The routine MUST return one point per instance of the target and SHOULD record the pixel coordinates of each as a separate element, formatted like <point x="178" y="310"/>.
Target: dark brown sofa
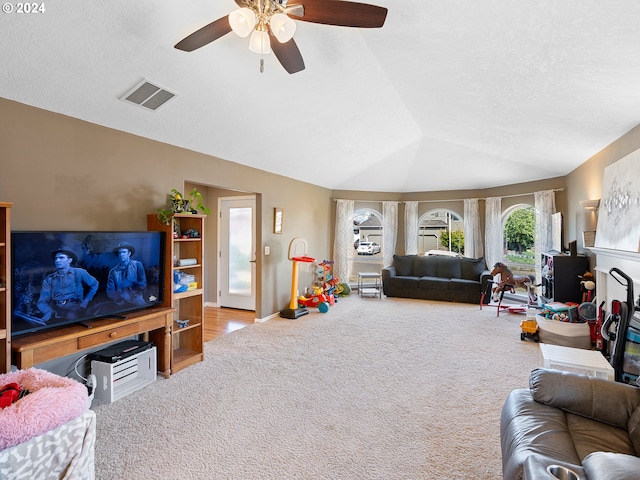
<point x="436" y="277"/>
<point x="589" y="425"/>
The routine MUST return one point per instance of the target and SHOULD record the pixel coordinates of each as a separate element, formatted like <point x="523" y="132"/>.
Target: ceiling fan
<point x="270" y="24"/>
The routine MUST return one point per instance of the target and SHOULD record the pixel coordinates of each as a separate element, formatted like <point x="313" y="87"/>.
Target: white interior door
<point x="237" y="255"/>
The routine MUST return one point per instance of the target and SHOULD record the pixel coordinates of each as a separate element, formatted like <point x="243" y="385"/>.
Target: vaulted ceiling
<point x="449" y="94"/>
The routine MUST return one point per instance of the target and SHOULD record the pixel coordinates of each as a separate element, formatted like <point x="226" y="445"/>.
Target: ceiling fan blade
<point x="205" y="35"/>
<point x="341" y="13"/>
<point x="287" y="54"/>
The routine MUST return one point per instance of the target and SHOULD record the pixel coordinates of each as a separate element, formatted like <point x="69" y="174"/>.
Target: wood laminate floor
<point x="219" y="321"/>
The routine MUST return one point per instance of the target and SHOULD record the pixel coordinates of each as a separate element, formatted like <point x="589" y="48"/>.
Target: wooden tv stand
<point x="154" y="324"/>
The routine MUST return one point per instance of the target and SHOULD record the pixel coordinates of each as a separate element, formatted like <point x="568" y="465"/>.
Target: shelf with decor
<point x="184" y="280"/>
<point x="5" y="287"/>
<point x="561" y="277"/>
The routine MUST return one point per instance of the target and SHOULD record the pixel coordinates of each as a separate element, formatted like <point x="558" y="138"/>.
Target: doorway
<point x="237" y="253"/>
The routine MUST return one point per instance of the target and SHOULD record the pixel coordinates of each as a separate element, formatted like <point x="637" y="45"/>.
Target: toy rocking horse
<point x="509" y="282"/>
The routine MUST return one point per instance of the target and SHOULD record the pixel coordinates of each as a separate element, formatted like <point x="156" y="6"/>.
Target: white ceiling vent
<point x="148" y="95"/>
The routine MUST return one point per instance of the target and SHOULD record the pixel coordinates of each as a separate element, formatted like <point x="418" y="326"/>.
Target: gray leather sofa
<point x="436" y="277"/>
<point x="589" y="425"/>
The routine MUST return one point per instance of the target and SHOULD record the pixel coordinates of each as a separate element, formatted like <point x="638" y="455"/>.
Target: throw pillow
<point x="472" y="268"/>
<point x="403" y="264"/>
<point x="425" y="266"/>
<point x="448" y="267"/>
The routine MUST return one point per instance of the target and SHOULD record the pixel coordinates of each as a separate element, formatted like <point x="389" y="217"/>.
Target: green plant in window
<point x="457" y="241"/>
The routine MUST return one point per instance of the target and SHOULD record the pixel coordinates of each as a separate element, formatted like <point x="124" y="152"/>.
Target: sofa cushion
<point x="434" y="283"/>
<point x="404" y="282"/>
<point x="611" y="466"/>
<point x="424" y="266"/>
<point x="403" y="264"/>
<point x="448" y="267"/>
<point x="593" y="436"/>
<point x="462" y="285"/>
<point x="472" y="268"/>
<point x="633" y="427"/>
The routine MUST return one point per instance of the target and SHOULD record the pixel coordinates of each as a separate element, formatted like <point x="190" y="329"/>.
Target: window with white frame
<point x="440" y="229"/>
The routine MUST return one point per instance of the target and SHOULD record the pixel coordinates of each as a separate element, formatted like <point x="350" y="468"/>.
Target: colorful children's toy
<point x="529" y="329"/>
<point x="297" y="254"/>
<point x="511" y="281"/>
<point x="330" y="283"/>
<point x="318" y="299"/>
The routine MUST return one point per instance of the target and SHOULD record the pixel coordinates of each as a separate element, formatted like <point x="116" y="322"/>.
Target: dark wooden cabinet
<point x="561" y="277"/>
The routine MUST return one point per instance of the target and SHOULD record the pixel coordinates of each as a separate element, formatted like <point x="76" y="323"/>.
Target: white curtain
<point x="493" y="231"/>
<point x="343" y="240"/>
<point x="472" y="237"/>
<point x="389" y="231"/>
<point x="411" y="228"/>
<point x="545" y="205"/>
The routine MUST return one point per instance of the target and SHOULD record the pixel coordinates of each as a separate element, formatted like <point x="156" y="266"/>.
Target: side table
<point x="374" y="286"/>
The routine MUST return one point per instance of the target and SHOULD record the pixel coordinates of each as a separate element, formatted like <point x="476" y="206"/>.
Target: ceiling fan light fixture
<point x="259" y="42"/>
<point x="282" y="27"/>
<point x="242" y="21"/>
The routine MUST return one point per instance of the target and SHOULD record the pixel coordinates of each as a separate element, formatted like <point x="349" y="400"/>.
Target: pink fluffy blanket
<point x="53" y="400"/>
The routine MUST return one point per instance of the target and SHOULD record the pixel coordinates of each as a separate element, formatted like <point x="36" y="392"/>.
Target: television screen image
<point x="68" y="277"/>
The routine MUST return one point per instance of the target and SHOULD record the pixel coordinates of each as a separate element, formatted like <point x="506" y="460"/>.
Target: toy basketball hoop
<point x="298" y="255"/>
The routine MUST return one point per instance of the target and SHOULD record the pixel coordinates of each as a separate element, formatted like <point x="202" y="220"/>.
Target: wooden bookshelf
<point x="5" y="287"/>
<point x="188" y="341"/>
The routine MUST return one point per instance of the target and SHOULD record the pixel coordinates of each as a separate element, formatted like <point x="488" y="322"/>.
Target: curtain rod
<point x="453" y="199"/>
<point x="380" y="201"/>
<point x="483" y="198"/>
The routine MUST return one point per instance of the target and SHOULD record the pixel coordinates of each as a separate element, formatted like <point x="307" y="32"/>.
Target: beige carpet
<point x="373" y="389"/>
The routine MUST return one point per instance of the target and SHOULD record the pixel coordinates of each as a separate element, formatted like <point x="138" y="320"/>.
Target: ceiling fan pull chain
<point x="261" y="65"/>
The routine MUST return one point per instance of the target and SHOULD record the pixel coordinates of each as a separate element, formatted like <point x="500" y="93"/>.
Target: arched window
<point x="367" y="229"/>
<point x="518" y="233"/>
<point x="440" y="229"/>
<point x="366" y="254"/>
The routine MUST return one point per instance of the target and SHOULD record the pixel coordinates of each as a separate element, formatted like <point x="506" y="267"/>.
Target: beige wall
<point x="64" y="173"/>
<point x="585" y="182"/>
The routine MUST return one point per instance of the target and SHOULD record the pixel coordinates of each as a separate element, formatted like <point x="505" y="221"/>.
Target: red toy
<point x="318" y="299"/>
<point x="11" y="393"/>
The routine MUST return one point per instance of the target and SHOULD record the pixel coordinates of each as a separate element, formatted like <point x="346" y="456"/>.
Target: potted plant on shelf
<point x="179" y="203"/>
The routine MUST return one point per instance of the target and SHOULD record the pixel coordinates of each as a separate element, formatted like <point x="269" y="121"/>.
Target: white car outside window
<point x="368" y="248"/>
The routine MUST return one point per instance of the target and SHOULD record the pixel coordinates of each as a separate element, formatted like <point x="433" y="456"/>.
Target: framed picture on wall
<point x="277" y="220"/>
<point x="619" y="213"/>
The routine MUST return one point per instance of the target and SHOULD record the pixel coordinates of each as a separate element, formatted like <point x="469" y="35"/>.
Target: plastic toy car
<point x="529" y="330"/>
<point x="318" y="299"/>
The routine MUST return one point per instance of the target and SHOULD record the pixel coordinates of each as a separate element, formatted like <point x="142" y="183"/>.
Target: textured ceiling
<point x="449" y="94"/>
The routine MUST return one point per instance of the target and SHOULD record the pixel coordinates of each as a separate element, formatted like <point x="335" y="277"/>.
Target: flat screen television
<point x="60" y="278"/>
